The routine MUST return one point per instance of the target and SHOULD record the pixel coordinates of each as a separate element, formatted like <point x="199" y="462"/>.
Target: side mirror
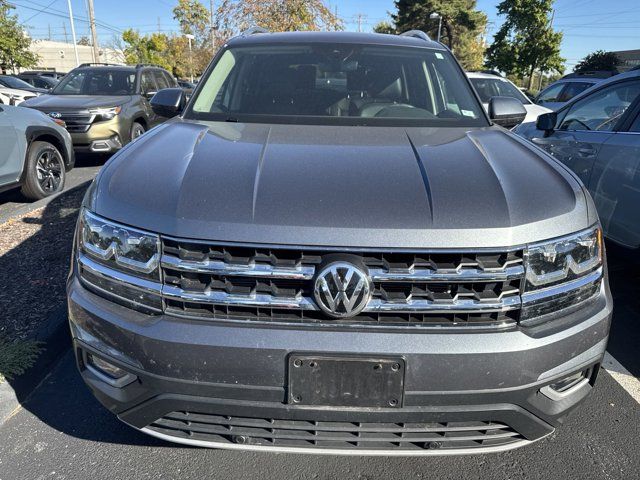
<point x="506" y="111"/>
<point x="168" y="102"/>
<point x="547" y="121"/>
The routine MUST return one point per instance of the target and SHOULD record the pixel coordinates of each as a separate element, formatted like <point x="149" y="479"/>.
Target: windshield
<point x="337" y="84"/>
<point x="97" y="82"/>
<point x="13" y="82"/>
<point x="496" y="87"/>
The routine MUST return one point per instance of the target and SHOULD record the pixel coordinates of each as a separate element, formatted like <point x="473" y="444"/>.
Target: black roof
<point x="334" y="37"/>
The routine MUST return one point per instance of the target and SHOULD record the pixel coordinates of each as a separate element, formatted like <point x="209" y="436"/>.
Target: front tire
<point x="45" y="171"/>
<point x="137" y="129"/>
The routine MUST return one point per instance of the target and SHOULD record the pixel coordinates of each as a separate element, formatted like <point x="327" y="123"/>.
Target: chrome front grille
<point x="76" y="121"/>
<point x="276" y="284"/>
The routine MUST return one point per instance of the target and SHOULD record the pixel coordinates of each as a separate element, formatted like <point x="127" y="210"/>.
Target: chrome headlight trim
<point x="562" y="260"/>
<point x="117" y="245"/>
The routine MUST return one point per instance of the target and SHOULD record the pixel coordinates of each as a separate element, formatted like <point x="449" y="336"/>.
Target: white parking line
<point x="621" y="375"/>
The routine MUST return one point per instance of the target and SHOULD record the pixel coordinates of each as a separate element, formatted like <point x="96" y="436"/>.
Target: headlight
<point x="564" y="259"/>
<point x="119" y="247"/>
<point x="105" y="113"/>
<point x="562" y="272"/>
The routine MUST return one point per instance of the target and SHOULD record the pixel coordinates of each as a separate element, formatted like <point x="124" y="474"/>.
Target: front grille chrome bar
<point x="306" y="272"/>
<point x="374" y="305"/>
<point x="216" y="267"/>
<point x="442" y="275"/>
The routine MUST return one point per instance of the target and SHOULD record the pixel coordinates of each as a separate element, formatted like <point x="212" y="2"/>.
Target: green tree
<point x="526" y="41"/>
<point x="599" y="60"/>
<point x="384" y="27"/>
<point x="14" y="43"/>
<point x="462" y="25"/>
<point x="146" y="48"/>
<point x="287" y="15"/>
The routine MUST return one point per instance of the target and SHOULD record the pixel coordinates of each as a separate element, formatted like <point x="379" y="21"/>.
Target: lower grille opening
<point x="339" y="435"/>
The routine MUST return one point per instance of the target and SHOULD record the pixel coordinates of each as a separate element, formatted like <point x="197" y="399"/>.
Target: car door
<point x="615" y="183"/>
<point x="585" y="125"/>
<point x="10" y="151"/>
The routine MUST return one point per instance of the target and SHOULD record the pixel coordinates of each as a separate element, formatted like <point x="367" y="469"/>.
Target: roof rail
<point x="254" y="31"/>
<point x="99" y="63"/>
<point x="416" y="34"/>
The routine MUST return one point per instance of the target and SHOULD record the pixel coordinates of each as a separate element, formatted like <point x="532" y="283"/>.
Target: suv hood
<point x="340" y="186"/>
<point x="75" y="102"/>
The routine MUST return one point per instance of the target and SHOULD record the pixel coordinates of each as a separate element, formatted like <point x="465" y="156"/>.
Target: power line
<point x="38" y="12"/>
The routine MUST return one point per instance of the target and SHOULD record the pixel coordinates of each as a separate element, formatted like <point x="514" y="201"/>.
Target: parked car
<point x="597" y="135"/>
<point x="35" y="152"/>
<point x="8" y="81"/>
<point x="489" y="85"/>
<point x="561" y="91"/>
<point x="14" y="96"/>
<point x="45" y="83"/>
<point x="45" y="73"/>
<point x="188" y="88"/>
<point x="105" y="106"/>
<point x="298" y="263"/>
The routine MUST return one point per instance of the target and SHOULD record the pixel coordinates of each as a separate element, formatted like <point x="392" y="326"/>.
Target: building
<point x="60" y="56"/>
<point x="628" y="59"/>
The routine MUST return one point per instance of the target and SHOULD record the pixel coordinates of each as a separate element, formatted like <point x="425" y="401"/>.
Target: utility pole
<point x="94" y="34"/>
<point x="360" y="17"/>
<point x="73" y="33"/>
<point x="64" y="29"/>
<point x="49" y="26"/>
<point x="159" y="26"/>
<point x="213" y="32"/>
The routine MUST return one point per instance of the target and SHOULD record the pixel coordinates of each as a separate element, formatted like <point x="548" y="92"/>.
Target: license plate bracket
<point x="340" y="381"/>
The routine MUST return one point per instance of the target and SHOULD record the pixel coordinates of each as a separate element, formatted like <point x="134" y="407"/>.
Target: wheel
<point x="45" y="173"/>
<point x="137" y="129"/>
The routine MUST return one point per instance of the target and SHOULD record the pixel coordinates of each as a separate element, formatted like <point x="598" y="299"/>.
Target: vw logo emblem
<point x="342" y="290"/>
<point x="55" y="115"/>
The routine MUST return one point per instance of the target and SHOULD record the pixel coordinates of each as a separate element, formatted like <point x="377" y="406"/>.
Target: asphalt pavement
<point x="61" y="432"/>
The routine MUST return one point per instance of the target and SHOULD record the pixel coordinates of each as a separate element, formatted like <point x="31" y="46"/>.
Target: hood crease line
<point x="423" y="174"/>
<point x="256" y="181"/>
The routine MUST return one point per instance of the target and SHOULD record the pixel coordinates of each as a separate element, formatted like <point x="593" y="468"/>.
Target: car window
<point x="603" y="109"/>
<point x="38" y="82"/>
<point x="572" y="89"/>
<point x="492" y="87"/>
<point x="96" y="82"/>
<point x="338" y="83"/>
<point x="551" y="94"/>
<point x="161" y="80"/>
<point x="13" y="82"/>
<point x="147" y="83"/>
<point x="170" y="80"/>
<point x="635" y="126"/>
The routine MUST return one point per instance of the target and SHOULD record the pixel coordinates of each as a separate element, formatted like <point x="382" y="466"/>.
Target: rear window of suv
<point x="327" y="83"/>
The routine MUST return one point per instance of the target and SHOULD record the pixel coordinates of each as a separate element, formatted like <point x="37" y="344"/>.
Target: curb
<point x="54" y="334"/>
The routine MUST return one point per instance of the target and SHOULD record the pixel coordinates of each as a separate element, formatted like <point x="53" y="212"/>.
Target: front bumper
<point x="224" y="385"/>
<point x="102" y="137"/>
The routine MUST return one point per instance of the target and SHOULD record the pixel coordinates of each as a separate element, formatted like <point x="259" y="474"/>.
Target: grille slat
<point x="350" y="435"/>
<point x="276" y="284"/>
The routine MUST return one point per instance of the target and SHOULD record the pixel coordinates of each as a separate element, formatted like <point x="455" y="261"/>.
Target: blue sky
<point x="588" y="25"/>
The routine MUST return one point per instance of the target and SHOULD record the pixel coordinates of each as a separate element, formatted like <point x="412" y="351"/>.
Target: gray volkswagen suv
<point x="332" y="248"/>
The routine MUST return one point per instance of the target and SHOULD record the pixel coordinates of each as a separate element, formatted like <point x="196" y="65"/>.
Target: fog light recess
<point x="567" y="385"/>
<point x="107" y="371"/>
